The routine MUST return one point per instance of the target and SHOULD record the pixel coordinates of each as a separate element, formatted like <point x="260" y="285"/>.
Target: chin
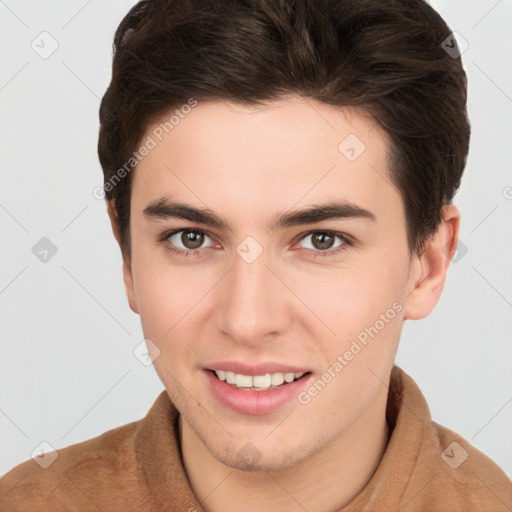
<point x="251" y="458"/>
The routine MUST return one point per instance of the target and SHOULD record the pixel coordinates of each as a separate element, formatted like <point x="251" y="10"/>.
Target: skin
<point x="247" y="164"/>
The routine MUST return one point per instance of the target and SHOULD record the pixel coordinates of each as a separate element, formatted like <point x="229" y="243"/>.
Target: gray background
<point x="67" y="370"/>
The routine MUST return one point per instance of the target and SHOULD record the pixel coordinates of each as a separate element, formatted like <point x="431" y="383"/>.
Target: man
<point x="279" y="176"/>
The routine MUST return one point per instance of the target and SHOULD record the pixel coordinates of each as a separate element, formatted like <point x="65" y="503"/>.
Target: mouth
<point x="263" y="382"/>
<point x="256" y="389"/>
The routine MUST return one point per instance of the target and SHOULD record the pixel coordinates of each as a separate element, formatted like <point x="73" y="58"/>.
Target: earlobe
<point x="127" y="270"/>
<point x="428" y="270"/>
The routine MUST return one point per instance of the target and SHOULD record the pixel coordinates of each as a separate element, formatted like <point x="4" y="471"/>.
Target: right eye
<point x="185" y="241"/>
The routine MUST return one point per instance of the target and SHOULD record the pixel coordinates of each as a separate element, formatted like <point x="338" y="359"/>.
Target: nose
<point x="254" y="305"/>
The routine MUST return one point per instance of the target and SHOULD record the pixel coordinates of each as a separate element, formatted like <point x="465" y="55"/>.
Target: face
<point x="228" y="277"/>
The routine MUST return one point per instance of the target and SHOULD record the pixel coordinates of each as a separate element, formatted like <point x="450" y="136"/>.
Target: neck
<point x="327" y="480"/>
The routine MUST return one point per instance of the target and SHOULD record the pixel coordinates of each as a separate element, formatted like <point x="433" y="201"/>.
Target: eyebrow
<point x="163" y="209"/>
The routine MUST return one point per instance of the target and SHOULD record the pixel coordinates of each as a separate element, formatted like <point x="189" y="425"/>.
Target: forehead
<point x="251" y="158"/>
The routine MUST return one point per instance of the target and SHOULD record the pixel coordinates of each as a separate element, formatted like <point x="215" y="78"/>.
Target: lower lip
<point x="255" y="402"/>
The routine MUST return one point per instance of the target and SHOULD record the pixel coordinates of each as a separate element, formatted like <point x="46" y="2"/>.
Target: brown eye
<point x="325" y="243"/>
<point x="192" y="239"/>
<point x="187" y="242"/>
<point x="322" y="241"/>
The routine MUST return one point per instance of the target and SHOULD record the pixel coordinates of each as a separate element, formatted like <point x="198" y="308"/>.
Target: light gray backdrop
<point x="68" y="372"/>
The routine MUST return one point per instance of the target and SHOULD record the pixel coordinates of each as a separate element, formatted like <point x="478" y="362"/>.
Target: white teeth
<point x="257" y="382"/>
<point x="243" y="381"/>
<point x="262" y="381"/>
<point x="277" y="379"/>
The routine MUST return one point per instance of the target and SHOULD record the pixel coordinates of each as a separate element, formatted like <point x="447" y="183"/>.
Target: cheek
<point x="166" y="293"/>
<point x="358" y="311"/>
<point x="353" y="296"/>
<point x="168" y="299"/>
<point x="364" y="311"/>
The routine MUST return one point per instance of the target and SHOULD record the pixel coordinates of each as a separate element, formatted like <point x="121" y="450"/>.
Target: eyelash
<point x="347" y="241"/>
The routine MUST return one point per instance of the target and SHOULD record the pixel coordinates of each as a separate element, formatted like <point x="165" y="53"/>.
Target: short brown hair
<point x="386" y="57"/>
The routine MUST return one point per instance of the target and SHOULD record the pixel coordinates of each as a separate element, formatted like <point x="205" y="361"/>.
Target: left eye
<point x="323" y="240"/>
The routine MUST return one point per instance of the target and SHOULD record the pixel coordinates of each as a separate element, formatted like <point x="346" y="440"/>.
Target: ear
<point x="127" y="268"/>
<point x="428" y="270"/>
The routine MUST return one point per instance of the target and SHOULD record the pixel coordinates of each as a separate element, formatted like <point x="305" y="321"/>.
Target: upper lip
<point x="256" y="369"/>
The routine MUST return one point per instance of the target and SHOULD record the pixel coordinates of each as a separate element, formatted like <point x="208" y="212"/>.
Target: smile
<point x="258" y="394"/>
